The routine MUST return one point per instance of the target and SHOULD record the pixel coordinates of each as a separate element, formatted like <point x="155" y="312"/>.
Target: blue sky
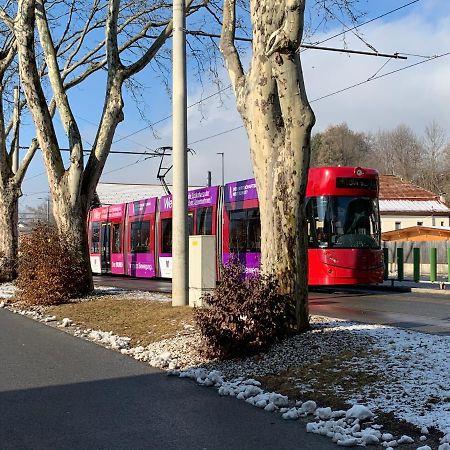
<point x="415" y="96"/>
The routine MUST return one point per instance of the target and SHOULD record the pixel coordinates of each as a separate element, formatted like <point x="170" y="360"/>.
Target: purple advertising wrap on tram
<point x="198" y="198"/>
<point x="251" y="261"/>
<point x="241" y="191"/>
<point x="142" y="207"/>
<point x="106" y="213"/>
<point x="143" y="264"/>
<point x="237" y="195"/>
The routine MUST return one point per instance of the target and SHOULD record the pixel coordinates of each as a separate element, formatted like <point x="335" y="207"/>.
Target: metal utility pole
<point x="47" y="210"/>
<point x="180" y="257"/>
<point x="223" y="167"/>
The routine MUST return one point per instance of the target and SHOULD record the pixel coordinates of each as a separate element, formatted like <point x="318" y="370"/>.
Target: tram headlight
<point x="359" y="172"/>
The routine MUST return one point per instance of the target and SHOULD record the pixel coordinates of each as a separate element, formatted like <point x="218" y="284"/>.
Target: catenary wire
<point x="229" y="86"/>
<point x="340" y="91"/>
<point x="363" y="23"/>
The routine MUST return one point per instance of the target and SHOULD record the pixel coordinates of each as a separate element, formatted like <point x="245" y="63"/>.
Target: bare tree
<point x="272" y="101"/>
<point x="37" y="214"/>
<point x="136" y="30"/>
<point x="398" y="152"/>
<point x="433" y="175"/>
<point x="10" y="178"/>
<point x="338" y="145"/>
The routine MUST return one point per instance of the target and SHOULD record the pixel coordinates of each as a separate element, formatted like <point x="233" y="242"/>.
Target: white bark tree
<point x="272" y="101"/>
<point x="72" y="187"/>
<point x="10" y="180"/>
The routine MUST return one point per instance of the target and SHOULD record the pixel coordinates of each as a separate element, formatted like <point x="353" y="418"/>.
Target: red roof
<point x="393" y="187"/>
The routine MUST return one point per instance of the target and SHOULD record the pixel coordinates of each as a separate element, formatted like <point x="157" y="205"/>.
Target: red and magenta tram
<point x="135" y="239"/>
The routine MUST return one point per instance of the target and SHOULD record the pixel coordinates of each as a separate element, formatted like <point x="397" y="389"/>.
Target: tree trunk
<point x="272" y="101"/>
<point x="8" y="234"/>
<point x="71" y="224"/>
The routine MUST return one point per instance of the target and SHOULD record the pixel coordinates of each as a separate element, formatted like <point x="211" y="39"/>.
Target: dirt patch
<point x="329" y="381"/>
<point x="143" y="321"/>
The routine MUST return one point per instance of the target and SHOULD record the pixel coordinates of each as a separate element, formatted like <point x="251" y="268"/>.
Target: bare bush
<point x="50" y="269"/>
<point x="244" y="315"/>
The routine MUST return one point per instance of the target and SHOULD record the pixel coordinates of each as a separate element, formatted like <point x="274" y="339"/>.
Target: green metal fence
<point x="417" y="260"/>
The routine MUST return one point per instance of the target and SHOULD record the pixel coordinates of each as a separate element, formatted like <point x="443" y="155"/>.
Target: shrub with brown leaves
<point x="244" y="315"/>
<point x="50" y="270"/>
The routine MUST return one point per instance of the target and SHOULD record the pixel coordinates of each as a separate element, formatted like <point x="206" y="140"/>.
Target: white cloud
<point x="414" y="96"/>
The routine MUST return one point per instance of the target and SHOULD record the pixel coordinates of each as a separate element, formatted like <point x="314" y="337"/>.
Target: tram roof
<point x="112" y="193"/>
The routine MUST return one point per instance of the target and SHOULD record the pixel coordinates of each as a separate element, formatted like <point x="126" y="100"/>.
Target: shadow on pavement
<point x="136" y="412"/>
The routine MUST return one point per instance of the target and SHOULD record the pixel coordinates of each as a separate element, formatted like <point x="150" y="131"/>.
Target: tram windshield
<point x="343" y="222"/>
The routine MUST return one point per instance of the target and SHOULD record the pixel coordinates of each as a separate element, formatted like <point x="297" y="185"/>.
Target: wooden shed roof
<point x="417" y="234"/>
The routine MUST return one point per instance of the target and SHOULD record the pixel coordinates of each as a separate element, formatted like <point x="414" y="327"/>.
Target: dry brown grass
<point x="328" y="381"/>
<point x="142" y="320"/>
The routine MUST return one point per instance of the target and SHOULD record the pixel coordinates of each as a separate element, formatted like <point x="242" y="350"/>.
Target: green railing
<point x="414" y="255"/>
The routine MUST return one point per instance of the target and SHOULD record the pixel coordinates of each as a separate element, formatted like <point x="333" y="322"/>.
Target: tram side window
<point x="117" y="238"/>
<point x="166" y="236"/>
<point x="95" y="237"/>
<point x="245" y="231"/>
<point x="140" y="237"/>
<point x="318" y="229"/>
<point x="190" y="224"/>
<point x="238" y="231"/>
<point x="254" y="230"/>
<point x="204" y="221"/>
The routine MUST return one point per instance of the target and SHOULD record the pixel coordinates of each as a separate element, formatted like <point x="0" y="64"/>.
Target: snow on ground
<point x="417" y="366"/>
<point x="413" y="370"/>
<point x="142" y="295"/>
<point x="7" y="290"/>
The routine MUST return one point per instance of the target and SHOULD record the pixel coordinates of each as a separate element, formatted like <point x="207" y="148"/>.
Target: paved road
<point x="60" y="392"/>
<point x="154" y="285"/>
<point x="425" y="312"/>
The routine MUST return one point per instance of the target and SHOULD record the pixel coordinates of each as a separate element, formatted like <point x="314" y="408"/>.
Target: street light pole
<point x="223" y="167"/>
<point x="15" y="158"/>
<point x="180" y="269"/>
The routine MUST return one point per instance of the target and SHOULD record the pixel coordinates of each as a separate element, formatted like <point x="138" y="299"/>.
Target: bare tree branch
<point x="24" y="31"/>
<point x="20" y="174"/>
<point x="229" y="51"/>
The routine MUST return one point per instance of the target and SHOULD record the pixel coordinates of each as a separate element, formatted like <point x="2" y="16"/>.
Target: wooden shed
<point x="417" y="234"/>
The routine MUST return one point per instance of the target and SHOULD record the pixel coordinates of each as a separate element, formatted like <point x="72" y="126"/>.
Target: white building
<point x="404" y="205"/>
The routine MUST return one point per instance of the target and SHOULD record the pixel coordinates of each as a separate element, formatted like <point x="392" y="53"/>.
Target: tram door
<point x="106" y="248"/>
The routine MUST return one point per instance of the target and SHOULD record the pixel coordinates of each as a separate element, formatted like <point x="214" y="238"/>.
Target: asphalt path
<point x="61" y="392"/>
<point x="425" y="312"/>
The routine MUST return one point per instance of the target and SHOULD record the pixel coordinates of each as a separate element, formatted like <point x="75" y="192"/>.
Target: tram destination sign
<point x="356" y="183"/>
